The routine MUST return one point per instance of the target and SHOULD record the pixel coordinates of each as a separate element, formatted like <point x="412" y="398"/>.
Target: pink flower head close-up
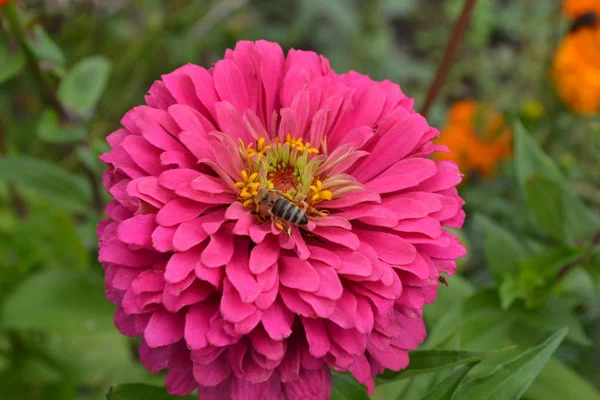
<point x="272" y="221"/>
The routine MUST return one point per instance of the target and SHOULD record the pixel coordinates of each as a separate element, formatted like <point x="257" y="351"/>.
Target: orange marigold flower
<point x="576" y="70"/>
<point x="577" y="8"/>
<point x="476" y="136"/>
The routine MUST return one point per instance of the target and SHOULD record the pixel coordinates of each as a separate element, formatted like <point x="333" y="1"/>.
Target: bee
<point x="272" y="202"/>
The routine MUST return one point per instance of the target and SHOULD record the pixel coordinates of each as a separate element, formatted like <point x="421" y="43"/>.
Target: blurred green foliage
<point x="70" y="69"/>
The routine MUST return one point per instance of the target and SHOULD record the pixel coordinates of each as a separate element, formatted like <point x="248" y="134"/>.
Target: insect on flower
<point x="273" y="202"/>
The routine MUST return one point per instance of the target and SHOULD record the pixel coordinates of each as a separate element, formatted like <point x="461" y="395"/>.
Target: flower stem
<point x="17" y="27"/>
<point x="455" y="40"/>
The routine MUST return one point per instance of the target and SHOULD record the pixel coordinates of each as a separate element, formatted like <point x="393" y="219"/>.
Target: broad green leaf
<point x="425" y="361"/>
<point x="559" y="382"/>
<point x="511" y="379"/>
<point x="502" y="249"/>
<point x="509" y="291"/>
<point x="44" y="47"/>
<point x="83" y="85"/>
<point x="59" y="301"/>
<point x="48" y="237"/>
<point x="345" y="387"/>
<point x="50" y="130"/>
<point x="99" y="359"/>
<point x="546" y="201"/>
<point x="458" y="289"/>
<point x="12" y="61"/>
<point x="537" y="277"/>
<point x="531" y="160"/>
<point x="475" y="324"/>
<point x="56" y="185"/>
<point x="138" y="391"/>
<point x="553" y="315"/>
<point x="445" y="389"/>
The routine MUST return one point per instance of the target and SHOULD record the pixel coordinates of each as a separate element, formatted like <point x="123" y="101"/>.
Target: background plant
<point x="69" y="70"/>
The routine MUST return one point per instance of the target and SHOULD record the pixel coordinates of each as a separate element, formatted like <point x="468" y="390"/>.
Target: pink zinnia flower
<point x="241" y="304"/>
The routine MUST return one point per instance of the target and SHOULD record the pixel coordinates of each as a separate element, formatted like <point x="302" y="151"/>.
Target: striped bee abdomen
<point x="289" y="212"/>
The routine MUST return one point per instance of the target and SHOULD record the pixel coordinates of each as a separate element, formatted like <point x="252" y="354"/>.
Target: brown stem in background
<point x="17" y="28"/>
<point x="455" y="40"/>
<point x="13" y="193"/>
<point x="567" y="267"/>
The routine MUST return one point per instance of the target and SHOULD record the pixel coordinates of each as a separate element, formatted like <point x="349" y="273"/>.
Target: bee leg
<point x="303" y="206"/>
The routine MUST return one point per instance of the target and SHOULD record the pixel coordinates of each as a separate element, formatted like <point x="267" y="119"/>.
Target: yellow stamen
<point x="298" y="144"/>
<point x="319" y="193"/>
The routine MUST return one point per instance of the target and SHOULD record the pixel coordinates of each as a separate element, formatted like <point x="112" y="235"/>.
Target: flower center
<point x="289" y="168"/>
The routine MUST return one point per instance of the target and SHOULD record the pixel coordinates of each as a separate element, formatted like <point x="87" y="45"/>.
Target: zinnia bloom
<point x="476" y="136"/>
<point x="576" y="8"/>
<point x="238" y="303"/>
<point x="576" y="70"/>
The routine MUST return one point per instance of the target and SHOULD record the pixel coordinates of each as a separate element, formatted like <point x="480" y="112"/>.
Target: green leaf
<point x="59" y="301"/>
<point x="553" y="315"/>
<point x="56" y="185"/>
<point x="531" y="160"/>
<point x="12" y="61"/>
<point x="502" y="249"/>
<point x="546" y="201"/>
<point x="44" y="47"/>
<point x="445" y="389"/>
<point x="345" y="387"/>
<point x="84" y="84"/>
<point x="49" y="238"/>
<point x="138" y="391"/>
<point x="49" y="129"/>
<point x="559" y="382"/>
<point x="511" y="379"/>
<point x="425" y="361"/>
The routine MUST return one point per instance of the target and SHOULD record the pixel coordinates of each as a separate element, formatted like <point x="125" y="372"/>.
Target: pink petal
<point x="172" y="178"/>
<point x="262" y="343"/>
<point x="181" y="265"/>
<point x="214" y="276"/>
<point x="345" y="311"/>
<point x="392" y="358"/>
<point x="137" y="230"/>
<point x="197" y="323"/>
<point x="389" y="247"/>
<point x="317" y="337"/>
<point x="394" y="145"/>
<point x="233" y="308"/>
<point x="328" y="257"/>
<point x="163" y="329"/>
<point x="178" y="211"/>
<point x="231" y="85"/>
<point x="118" y="253"/>
<point x="189" y="234"/>
<point x="339" y="236"/>
<point x="323" y="307"/>
<point x="404" y="174"/>
<point x="239" y="275"/>
<point x="264" y="254"/>
<point x="219" y="250"/>
<point x="298" y="274"/>
<point x="330" y="286"/>
<point x="364" y="315"/>
<point x="214" y="373"/>
<point x="354" y="263"/>
<point x="277" y="321"/>
<point x="232" y="123"/>
<point x="162" y="238"/>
